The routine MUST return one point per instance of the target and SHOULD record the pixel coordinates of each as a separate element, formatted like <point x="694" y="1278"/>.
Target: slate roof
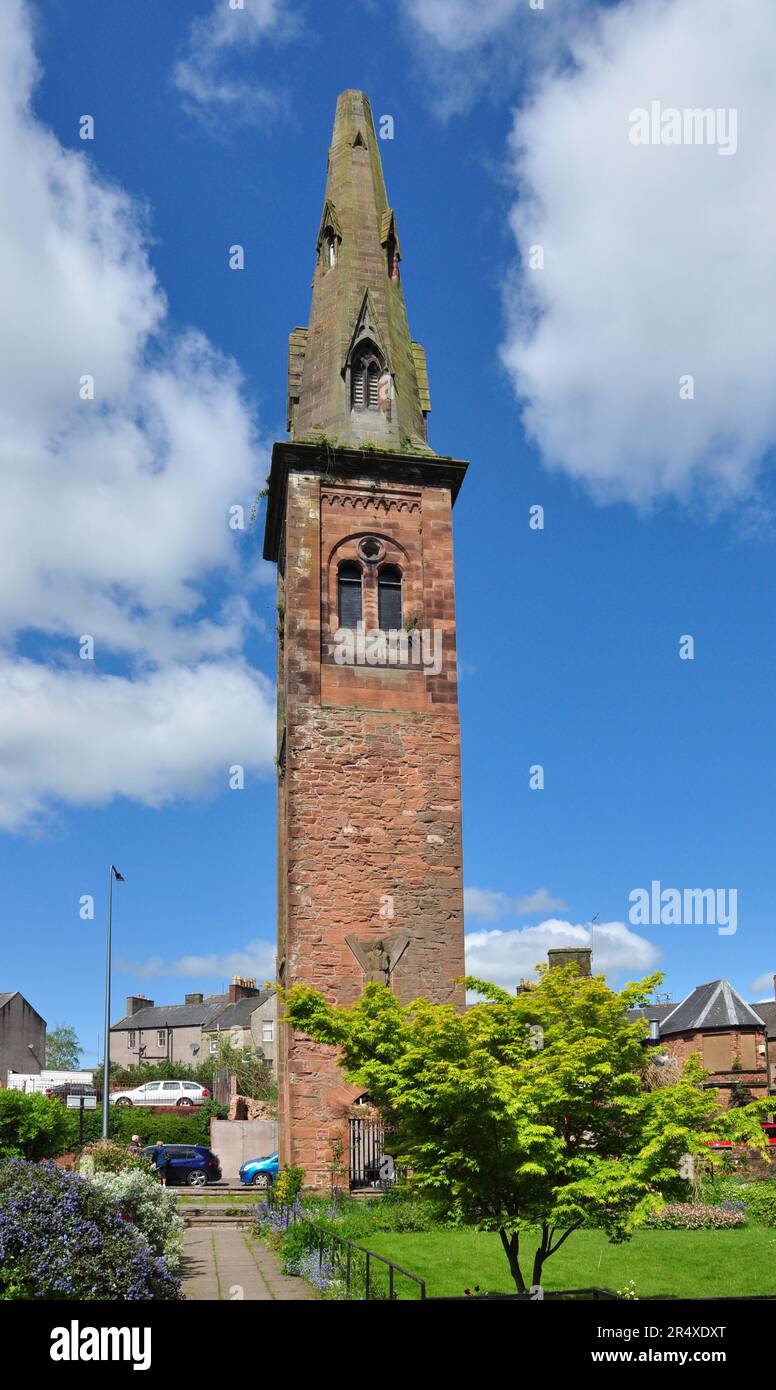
<point x="709" y="1006"/>
<point x="215" y="1011"/>
<point x="238" y="1015"/>
<point x="650" y="1011"/>
<point x="174" y="1015"/>
<point x="766" y="1008"/>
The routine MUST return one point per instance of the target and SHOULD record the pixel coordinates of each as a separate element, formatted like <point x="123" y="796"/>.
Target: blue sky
<point x="561" y="386"/>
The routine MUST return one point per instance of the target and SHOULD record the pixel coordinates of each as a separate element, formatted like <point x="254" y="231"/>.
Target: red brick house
<point x="728" y="1035"/>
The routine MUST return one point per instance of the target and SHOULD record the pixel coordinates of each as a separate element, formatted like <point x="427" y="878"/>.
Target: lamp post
<point x="112" y="873"/>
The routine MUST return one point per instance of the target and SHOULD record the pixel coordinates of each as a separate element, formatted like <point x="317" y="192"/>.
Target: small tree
<point x="63" y="1050"/>
<point x="520" y="1138"/>
<point x="253" y="1078"/>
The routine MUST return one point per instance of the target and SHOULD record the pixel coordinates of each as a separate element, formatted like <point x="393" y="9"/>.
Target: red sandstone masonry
<point x="372" y="796"/>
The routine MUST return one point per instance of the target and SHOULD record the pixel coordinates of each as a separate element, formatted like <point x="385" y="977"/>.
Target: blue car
<point x="189" y="1163"/>
<point x="260" y="1171"/>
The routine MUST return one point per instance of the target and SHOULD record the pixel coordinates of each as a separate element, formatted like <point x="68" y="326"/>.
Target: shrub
<point x="32" y="1126"/>
<point x="760" y="1199"/>
<point x="108" y="1157"/>
<point x="188" y="1128"/>
<point x="696" y="1216"/>
<point x="288" y="1184"/>
<point x="62" y="1238"/>
<point x="153" y="1209"/>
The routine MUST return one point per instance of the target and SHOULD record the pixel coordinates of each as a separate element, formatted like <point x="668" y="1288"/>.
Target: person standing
<point x="161" y="1160"/>
<point x="133" y="1147"/>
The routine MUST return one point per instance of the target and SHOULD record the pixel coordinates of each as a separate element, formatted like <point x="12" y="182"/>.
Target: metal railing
<point x="350" y="1260"/>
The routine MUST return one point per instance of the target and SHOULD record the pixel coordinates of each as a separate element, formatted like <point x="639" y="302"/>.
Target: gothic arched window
<point x="329" y="250"/>
<point x="365" y="372"/>
<point x="389" y="604"/>
<point x="349" y="598"/>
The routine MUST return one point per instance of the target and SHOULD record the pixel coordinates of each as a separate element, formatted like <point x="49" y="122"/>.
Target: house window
<point x="365" y="373"/>
<point x="349" y="594"/>
<point x="747" y="1051"/>
<point x="161" y="1037"/>
<point x="132" y="1039"/>
<point x="717" y="1051"/>
<point x="389" y="604"/>
<point x="268" y="1031"/>
<point x="213" y="1047"/>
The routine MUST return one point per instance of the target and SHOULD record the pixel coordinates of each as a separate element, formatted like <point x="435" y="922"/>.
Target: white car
<point x="162" y="1093"/>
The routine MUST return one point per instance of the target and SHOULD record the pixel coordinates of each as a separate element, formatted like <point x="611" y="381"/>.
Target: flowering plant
<point x="695" y="1216"/>
<point x="151" y="1208"/>
<point x="62" y="1238"/>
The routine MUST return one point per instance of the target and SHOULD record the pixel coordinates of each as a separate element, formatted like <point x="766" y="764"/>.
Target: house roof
<point x="239" y="1014"/>
<point x="766" y="1008"/>
<point x="174" y="1015"/>
<point x="709" y="1006"/>
<point x="5" y="997"/>
<point x="650" y="1011"/>
<point x="214" y="1012"/>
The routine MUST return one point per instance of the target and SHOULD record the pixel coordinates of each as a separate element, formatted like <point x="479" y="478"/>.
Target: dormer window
<point x="365" y="374"/>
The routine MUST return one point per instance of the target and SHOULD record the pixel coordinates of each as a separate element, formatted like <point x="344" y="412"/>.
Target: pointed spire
<point x="355" y="375"/>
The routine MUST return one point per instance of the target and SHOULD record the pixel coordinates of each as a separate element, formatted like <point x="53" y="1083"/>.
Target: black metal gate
<point x="370" y="1166"/>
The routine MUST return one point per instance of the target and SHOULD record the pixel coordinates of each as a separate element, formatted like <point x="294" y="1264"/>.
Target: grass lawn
<point x="687" y="1264"/>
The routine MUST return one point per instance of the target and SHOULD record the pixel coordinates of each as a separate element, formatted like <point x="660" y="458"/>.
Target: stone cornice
<point x="409" y="470"/>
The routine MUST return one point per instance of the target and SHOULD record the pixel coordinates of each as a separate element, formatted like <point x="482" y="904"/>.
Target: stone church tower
<point x="359" y="522"/>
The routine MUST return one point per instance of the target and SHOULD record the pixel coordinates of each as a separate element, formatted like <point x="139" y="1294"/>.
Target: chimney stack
<point x="194" y="998"/>
<point x="135" y="1002"/>
<point x="242" y="989"/>
<point x="581" y="956"/>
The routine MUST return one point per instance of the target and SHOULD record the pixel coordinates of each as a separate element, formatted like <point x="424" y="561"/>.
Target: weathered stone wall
<point x="371" y="803"/>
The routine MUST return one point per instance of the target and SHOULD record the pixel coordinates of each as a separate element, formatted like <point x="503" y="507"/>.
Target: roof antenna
<point x="593" y="921"/>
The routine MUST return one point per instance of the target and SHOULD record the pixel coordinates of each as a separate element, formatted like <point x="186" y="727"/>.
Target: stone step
<point x="216" y="1219"/>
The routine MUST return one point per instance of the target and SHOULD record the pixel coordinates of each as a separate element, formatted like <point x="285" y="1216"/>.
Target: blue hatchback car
<point x="189" y="1163"/>
<point x="260" y="1171"/>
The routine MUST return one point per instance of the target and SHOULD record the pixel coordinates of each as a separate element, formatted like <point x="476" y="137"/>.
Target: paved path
<point x="227" y="1263"/>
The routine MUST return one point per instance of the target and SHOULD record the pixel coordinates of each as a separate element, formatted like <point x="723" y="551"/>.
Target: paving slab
<point x="223" y="1263"/>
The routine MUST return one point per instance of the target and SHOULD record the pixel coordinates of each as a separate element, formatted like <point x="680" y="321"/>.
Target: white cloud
<point x="457" y="25"/>
<point x="77" y="737"/>
<point x="467" y="48"/>
<point x="658" y="259"/>
<point x="762" y="988"/>
<point x="506" y="957"/>
<point x="205" y="74"/>
<point x="256" y="960"/>
<point x="113" y="512"/>
<point x="485" y="905"/>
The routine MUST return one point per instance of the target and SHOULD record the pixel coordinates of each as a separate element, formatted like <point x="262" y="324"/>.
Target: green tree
<point x="531" y="1134"/>
<point x="32" y="1126"/>
<point x="253" y="1078"/>
<point x="63" y="1050"/>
